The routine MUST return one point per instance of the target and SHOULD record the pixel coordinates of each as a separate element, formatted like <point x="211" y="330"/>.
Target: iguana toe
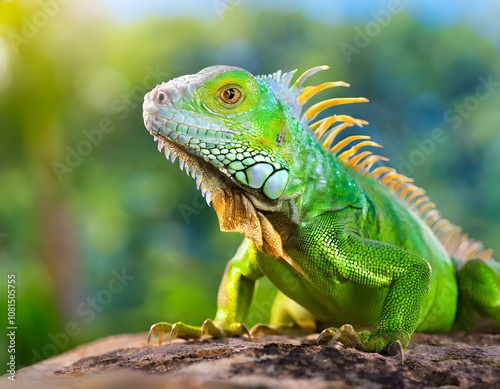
<point x="390" y="343"/>
<point x="172" y="331"/>
<point x="161" y="329"/>
<point x="346" y="335"/>
<point x="396" y="348"/>
<point x="326" y="336"/>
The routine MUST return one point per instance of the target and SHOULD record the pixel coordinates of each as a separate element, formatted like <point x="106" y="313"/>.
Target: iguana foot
<point x="185" y="331"/>
<point x="388" y="343"/>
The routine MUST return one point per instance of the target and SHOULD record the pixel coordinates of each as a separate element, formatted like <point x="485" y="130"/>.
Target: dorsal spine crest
<point x="326" y="131"/>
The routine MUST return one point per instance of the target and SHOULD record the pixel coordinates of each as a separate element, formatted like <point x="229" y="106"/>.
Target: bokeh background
<point x="106" y="236"/>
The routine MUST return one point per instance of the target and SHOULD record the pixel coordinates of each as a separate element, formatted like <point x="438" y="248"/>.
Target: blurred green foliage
<point x="105" y="236"/>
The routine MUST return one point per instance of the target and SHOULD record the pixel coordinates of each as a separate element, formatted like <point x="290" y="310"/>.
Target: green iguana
<point x="342" y="239"/>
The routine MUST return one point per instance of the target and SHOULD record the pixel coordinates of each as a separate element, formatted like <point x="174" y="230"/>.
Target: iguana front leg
<point x="378" y="268"/>
<point x="234" y="299"/>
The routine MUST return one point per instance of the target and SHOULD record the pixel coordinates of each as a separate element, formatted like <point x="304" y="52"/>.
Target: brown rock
<point x="124" y="361"/>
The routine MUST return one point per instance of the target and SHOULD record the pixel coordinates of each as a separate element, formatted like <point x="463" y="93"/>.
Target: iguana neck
<point x="321" y="183"/>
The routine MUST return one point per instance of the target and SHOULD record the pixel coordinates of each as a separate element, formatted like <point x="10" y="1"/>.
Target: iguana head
<point x="227" y="129"/>
<point x="241" y="137"/>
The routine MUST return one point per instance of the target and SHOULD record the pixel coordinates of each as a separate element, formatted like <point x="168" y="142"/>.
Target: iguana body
<point x="344" y="242"/>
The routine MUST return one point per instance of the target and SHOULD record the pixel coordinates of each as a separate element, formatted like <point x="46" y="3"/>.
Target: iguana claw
<point x="328" y="334"/>
<point x="395" y="349"/>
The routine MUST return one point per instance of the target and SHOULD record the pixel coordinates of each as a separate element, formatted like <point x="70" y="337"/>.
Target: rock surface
<point x="124" y="361"/>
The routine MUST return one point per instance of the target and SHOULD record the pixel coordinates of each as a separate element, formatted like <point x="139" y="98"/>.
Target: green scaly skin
<point x="338" y="245"/>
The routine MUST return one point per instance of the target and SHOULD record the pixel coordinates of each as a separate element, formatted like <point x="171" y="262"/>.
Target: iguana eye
<point x="230" y="95"/>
